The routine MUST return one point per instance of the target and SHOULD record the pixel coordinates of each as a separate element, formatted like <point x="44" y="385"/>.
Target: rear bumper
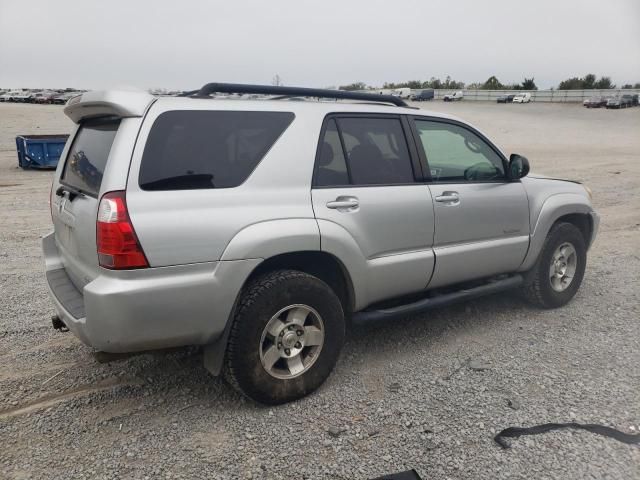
<point x="136" y="310"/>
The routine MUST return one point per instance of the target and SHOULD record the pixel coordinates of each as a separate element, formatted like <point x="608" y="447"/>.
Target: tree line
<point x="589" y="81"/>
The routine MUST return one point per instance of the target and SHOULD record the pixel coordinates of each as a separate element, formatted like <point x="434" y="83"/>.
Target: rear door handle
<point x="448" y="197"/>
<point x="344" y="203"/>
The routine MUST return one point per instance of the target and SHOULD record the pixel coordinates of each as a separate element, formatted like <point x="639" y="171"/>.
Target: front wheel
<point x="559" y="270"/>
<point x="286" y="337"/>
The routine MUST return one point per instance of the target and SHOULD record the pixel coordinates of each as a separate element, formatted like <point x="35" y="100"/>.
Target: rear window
<point x="88" y="155"/>
<point x="189" y="150"/>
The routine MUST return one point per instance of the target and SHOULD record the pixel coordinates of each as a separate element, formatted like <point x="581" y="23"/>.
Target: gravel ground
<point x="427" y="392"/>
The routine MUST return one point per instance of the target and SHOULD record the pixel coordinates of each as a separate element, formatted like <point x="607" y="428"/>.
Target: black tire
<point x="260" y="301"/>
<point x="538" y="289"/>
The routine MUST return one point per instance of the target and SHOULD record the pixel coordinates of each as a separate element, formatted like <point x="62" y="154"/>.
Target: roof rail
<point x="210" y="88"/>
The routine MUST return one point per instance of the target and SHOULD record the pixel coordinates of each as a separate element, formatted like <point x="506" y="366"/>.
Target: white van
<point x="403" y="92"/>
<point x="453" y="97"/>
<point x="522" y="98"/>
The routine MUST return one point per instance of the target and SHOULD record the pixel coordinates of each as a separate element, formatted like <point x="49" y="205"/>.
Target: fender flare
<point x="553" y="208"/>
<point x="273" y="237"/>
<point x="260" y="240"/>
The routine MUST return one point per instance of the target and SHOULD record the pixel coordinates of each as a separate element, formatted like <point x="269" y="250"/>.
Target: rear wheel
<point x="286" y="337"/>
<point x="559" y="270"/>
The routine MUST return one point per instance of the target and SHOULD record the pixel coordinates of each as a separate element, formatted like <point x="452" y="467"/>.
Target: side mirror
<point x="518" y="166"/>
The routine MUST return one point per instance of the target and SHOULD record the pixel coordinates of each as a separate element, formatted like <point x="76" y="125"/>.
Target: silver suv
<point x="258" y="227"/>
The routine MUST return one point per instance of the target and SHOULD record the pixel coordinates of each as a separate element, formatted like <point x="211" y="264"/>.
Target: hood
<point x="539" y="176"/>
<point x="542" y="186"/>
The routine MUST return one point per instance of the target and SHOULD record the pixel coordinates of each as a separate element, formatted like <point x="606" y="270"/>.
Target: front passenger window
<point x="455" y="154"/>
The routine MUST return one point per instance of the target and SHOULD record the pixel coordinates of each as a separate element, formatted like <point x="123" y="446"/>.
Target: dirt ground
<point x="64" y="415"/>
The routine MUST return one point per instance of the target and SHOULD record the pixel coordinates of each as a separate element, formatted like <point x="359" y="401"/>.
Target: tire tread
<point x="252" y="292"/>
<point x="534" y="289"/>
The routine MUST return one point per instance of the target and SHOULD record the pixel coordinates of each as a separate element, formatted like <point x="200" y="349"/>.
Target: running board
<point x="438" y="301"/>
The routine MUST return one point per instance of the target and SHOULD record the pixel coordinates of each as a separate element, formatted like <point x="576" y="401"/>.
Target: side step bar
<point x="367" y="316"/>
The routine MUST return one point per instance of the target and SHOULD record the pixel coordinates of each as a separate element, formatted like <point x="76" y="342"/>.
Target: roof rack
<point x="285" y="92"/>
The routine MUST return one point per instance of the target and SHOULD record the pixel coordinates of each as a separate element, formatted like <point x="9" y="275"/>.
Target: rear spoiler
<point x="119" y="103"/>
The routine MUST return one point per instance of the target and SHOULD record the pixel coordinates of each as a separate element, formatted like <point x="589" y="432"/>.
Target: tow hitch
<point x="58" y="324"/>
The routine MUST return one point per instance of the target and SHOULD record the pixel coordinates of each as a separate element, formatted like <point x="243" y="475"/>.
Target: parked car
<point x="505" y="98"/>
<point x="24" y="96"/>
<point x="44" y="97"/>
<point x="620" y="101"/>
<point x="262" y="251"/>
<point x="522" y="98"/>
<point x="424" y="95"/>
<point x="634" y="99"/>
<point x="453" y="97"/>
<point x="5" y="96"/>
<point x="62" y="98"/>
<point x="14" y="96"/>
<point x="595" y="102"/>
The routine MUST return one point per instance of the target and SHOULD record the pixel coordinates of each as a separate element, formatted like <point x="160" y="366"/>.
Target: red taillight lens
<point x="118" y="246"/>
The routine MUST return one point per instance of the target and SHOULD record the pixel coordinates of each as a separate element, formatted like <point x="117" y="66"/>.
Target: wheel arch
<point x="320" y="264"/>
<point x="323" y="265"/>
<point x="570" y="208"/>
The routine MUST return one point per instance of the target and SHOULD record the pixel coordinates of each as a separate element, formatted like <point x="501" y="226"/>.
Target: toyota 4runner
<point x="257" y="227"/>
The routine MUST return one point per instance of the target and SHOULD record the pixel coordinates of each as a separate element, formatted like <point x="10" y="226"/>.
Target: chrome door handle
<point x="346" y="203"/>
<point x="448" y="197"/>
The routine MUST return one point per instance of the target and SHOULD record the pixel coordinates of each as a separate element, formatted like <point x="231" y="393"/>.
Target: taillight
<point x="118" y="245"/>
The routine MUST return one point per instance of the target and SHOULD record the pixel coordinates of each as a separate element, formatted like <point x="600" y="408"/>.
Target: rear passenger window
<point x="331" y="168"/>
<point x="375" y="153"/>
<point x="189" y="150"/>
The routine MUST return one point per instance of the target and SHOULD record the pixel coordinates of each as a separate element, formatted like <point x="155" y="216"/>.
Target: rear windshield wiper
<point x="71" y="192"/>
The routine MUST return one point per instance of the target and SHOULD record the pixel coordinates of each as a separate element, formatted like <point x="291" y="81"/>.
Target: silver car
<point x="258" y="228"/>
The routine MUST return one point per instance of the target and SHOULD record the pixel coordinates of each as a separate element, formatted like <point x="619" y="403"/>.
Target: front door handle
<point x="344" y="203"/>
<point x="448" y="197"/>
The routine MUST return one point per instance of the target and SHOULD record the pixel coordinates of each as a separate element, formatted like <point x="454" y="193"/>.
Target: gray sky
<point x="186" y="43"/>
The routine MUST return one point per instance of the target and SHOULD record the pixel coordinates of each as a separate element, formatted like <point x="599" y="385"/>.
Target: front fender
<point x="273" y="237"/>
<point x="553" y="208"/>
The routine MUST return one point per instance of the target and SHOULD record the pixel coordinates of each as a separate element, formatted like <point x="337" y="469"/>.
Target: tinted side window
<point x="457" y="154"/>
<point x="195" y="149"/>
<point x="88" y="155"/>
<point x="331" y="166"/>
<point x="376" y="151"/>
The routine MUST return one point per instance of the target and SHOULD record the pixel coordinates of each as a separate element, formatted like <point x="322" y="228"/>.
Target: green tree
<point x="354" y="86"/>
<point x="410" y="84"/>
<point x="452" y="84"/>
<point x="589" y="81"/>
<point x="573" y="83"/>
<point x="492" y="83"/>
<point x="529" y="84"/>
<point x="414" y="84"/>
<point x="433" y="83"/>
<point x="604" y="82"/>
<point x="586" y="82"/>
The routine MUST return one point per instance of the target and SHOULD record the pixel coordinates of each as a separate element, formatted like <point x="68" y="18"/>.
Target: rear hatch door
<point x="75" y="197"/>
